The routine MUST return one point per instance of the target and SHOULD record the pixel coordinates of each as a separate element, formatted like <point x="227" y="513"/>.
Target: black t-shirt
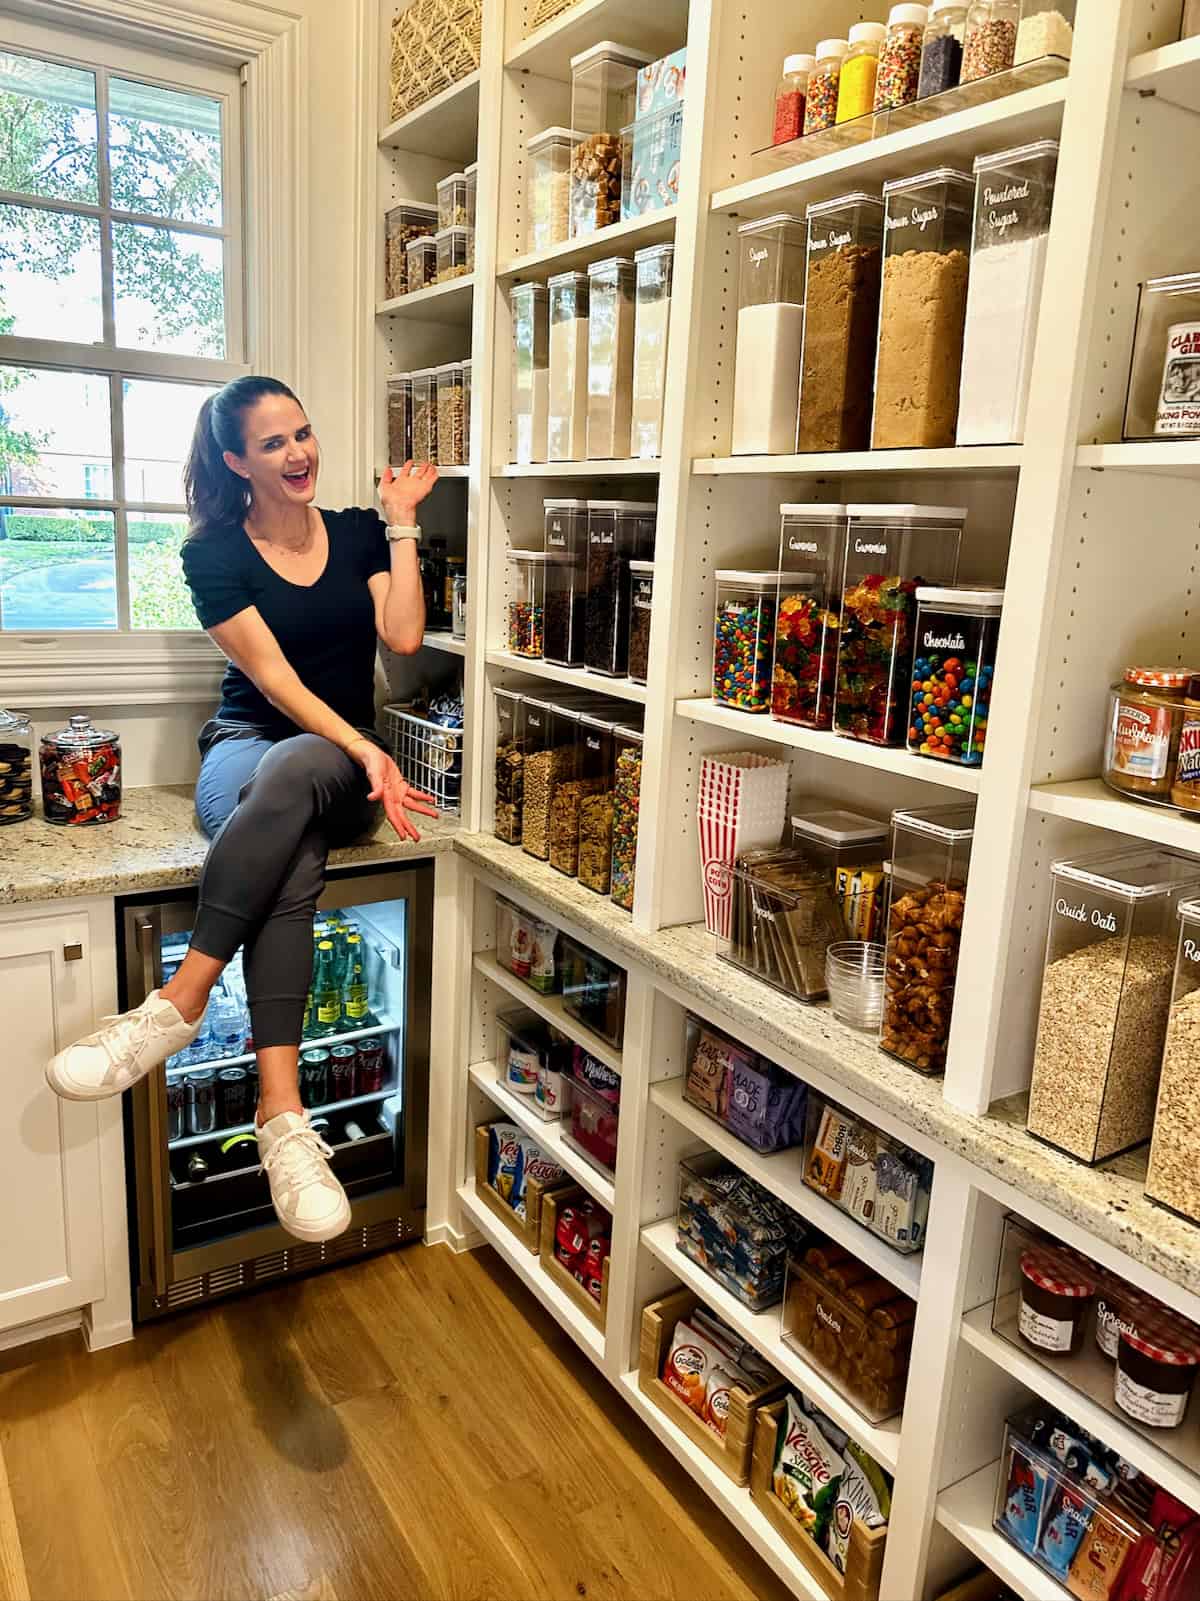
<point x="325" y="630"/>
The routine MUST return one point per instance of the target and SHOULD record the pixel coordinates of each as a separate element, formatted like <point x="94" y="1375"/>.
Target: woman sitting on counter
<point x="291" y="764"/>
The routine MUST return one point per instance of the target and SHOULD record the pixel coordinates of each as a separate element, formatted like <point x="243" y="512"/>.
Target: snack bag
<point x="1023" y="1497"/>
<point x="765" y="1105"/>
<point x="532" y="1163"/>
<point x="504" y="1154"/>
<point x="808" y="1471"/>
<point x="721" y="1380"/>
<point x="543" y="956"/>
<point x="859" y="1187"/>
<point x="864" y="1496"/>
<point x="1070" y="1515"/>
<point x="599" y="1079"/>
<point x="690" y="1359"/>
<point x="826" y="1165"/>
<point x="706" y="1083"/>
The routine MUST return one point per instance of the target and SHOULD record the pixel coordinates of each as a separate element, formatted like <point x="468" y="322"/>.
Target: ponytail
<point x="217" y="497"/>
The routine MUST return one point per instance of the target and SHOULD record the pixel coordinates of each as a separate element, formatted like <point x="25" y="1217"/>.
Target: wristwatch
<point x="397" y="531"/>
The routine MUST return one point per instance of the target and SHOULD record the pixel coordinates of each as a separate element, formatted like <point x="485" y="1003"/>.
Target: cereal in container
<point x="422" y="264"/>
<point x="452" y="253"/>
<point x="510" y="765"/>
<point x="407" y="220"/>
<point x="627" y="786"/>
<point x="452" y="201"/>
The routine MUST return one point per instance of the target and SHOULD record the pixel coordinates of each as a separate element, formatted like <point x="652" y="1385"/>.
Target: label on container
<point x="1179" y="396"/>
<point x="951" y="639"/>
<point x="1187" y="768"/>
<point x="1140" y="740"/>
<point x="1047" y="1333"/>
<point x="1108" y="1328"/>
<point x="522" y="1069"/>
<point x="1149" y="1406"/>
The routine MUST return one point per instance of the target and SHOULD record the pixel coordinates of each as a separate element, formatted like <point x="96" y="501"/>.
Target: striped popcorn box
<point x="741" y="805"/>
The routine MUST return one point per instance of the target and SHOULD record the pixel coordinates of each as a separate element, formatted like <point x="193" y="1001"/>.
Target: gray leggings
<point x="273" y="809"/>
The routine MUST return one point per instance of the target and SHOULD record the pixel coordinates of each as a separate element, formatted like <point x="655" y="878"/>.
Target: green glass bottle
<point x="327" y="995"/>
<point x="356" y="1003"/>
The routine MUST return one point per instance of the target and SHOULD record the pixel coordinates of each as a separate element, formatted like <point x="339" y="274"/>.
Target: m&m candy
<point x="953" y="668"/>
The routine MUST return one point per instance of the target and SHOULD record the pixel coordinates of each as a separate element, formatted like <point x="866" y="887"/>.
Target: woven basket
<point x="544" y="10"/>
<point x="434" y="44"/>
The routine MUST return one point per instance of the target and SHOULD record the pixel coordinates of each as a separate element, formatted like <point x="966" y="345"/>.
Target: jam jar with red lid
<point x="81" y="774"/>
<point x="1156" y="1368"/>
<point x="1056" y="1291"/>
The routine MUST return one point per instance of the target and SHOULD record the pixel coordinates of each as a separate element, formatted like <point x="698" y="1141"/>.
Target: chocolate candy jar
<point x="81" y="774"/>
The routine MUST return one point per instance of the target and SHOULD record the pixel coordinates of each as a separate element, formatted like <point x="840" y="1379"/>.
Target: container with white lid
<point x="549" y="187"/>
<point x="839" y="838"/>
<point x="790" y="97"/>
<point x="812" y="535"/>
<point x="841" y="319"/>
<point x="744" y="633"/>
<point x="641" y="606"/>
<point x="1173" y="1178"/>
<point x="566" y="528"/>
<point x="821" y="104"/>
<point x="653" y="267"/>
<point x="856" y="84"/>
<point x="407" y="219"/>
<point x="889" y="548"/>
<point x="420" y="256"/>
<point x="567" y="414"/>
<point x="1106" y="992"/>
<point x="529" y="309"/>
<point x="603" y="101"/>
<point x="619" y="532"/>
<point x="452" y="201"/>
<point x="610" y="357"/>
<point x="954" y="662"/>
<point x="942" y="47"/>
<point x="900" y="59"/>
<point x="527" y="603"/>
<point x="770" y="328"/>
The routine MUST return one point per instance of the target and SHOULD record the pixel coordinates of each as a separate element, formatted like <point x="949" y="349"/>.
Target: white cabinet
<point x="51" y="1237"/>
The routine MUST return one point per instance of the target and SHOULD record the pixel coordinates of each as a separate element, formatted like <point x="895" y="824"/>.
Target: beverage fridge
<point x="201" y="1221"/>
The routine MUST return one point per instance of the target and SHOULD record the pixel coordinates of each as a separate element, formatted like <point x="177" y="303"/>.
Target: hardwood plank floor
<point x="413" y="1427"/>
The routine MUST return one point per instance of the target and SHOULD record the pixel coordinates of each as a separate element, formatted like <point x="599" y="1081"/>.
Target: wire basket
<point x="429" y="756"/>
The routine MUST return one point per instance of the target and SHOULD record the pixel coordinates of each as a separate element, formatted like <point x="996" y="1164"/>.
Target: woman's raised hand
<point x="402" y="492"/>
<point x="389" y="786"/>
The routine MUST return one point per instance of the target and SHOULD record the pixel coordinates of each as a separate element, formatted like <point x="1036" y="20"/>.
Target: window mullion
<point x="107" y="284"/>
<point x="116" y="412"/>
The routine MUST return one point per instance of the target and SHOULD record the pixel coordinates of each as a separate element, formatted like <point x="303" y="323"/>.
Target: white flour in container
<point x="1003" y="297"/>
<point x="766" y="385"/>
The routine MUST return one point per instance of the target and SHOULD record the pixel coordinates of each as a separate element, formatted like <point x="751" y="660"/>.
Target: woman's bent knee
<point x="305" y="765"/>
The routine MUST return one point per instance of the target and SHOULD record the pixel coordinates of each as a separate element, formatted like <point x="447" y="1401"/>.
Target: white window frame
<point x="268" y="46"/>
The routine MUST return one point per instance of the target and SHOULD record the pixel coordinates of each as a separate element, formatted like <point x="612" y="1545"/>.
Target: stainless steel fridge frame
<point x="166" y="1280"/>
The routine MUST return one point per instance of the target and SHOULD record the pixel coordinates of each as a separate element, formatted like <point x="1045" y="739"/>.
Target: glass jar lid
<point x="14" y="723"/>
<point x="1158" y="677"/>
<point x="80" y="735"/>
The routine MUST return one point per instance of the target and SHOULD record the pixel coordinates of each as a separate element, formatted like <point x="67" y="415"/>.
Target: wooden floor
<point x="412" y="1426"/>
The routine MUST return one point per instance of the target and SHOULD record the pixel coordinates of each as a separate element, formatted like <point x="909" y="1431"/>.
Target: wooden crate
<point x="981" y="1586"/>
<point x="864" y="1560"/>
<point x="528" y="1232"/>
<point x="731" y="1454"/>
<point x="434" y="44"/>
<point x="551" y="1201"/>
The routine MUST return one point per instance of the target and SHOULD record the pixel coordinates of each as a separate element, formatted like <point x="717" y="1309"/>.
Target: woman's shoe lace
<point x="300" y="1153"/>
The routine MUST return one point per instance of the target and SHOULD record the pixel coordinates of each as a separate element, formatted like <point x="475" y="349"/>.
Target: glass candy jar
<point x="81" y="774"/>
<point x="16" y="767"/>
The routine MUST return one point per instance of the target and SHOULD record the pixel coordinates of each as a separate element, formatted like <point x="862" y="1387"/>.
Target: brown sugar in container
<point x="1145" y="719"/>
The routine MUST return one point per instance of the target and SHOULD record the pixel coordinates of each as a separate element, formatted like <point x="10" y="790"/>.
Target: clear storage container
<point x="510" y="765"/>
<point x="1106" y="992"/>
<point x="890" y="549"/>
<point x="458" y="607"/>
<point x="16" y="767"/>
<point x="759" y="1103"/>
<point x="790" y="97"/>
<point x="744" y="633"/>
<point x="770" y="328"/>
<point x="953" y="667"/>
<point x="900" y="59"/>
<point x="1045" y="29"/>
<point x="603" y="101"/>
<point x="931" y="852"/>
<point x="627" y="789"/>
<point x="466" y="385"/>
<point x="597" y="774"/>
<point x="1013" y="194"/>
<point x="1164" y="377"/>
<point x="594" y="991"/>
<point x="784" y="915"/>
<point x="804" y="671"/>
<point x="472" y="177"/>
<point x="451" y="414"/>
<point x="406" y="221"/>
<point x="735" y="1229"/>
<point x="532" y="1057"/>
<point x="566" y="792"/>
<point x="1189" y="27"/>
<point x="651" y="150"/>
<point x="527" y="603"/>
<point x="514" y="938"/>
<point x="927" y="248"/>
<point x="591" y="1118"/>
<point x="850" y="849"/>
<point x="566" y="528"/>
<point x="549" y="752"/>
<point x="862" y="1345"/>
<point x="420" y="255"/>
<point x="452" y="201"/>
<point x="452" y="251"/>
<point x="610" y="357"/>
<point x="874" y="1179"/>
<point x="529" y="309"/>
<point x="568" y="397"/>
<point x="824" y="82"/>
<point x="652" y="317"/>
<point x="841" y="320"/>
<point x="990" y="42"/>
<point x="548" y="195"/>
<point x="1173" y="1179"/>
<point x="424" y="415"/>
<point x="619" y="531"/>
<point x="641" y="605"/>
<point x="942" y="48"/>
<point x="856" y="82"/>
<point x="399" y="419"/>
<point x="81" y="773"/>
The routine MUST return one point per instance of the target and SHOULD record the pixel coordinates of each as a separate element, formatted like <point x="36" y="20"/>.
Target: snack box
<point x="880" y="1183"/>
<point x="760" y="1103"/>
<point x="556" y="1210"/>
<point x="732" y="1453"/>
<point x="661" y="85"/>
<point x="735" y="1230"/>
<point x="864" y="1558"/>
<point x="495" y="1190"/>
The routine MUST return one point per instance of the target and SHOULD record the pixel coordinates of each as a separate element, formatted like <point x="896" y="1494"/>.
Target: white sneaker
<point x="124" y="1050"/>
<point x="308" y="1200"/>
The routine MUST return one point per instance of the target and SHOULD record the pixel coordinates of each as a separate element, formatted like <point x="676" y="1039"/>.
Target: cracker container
<point x="1174" y="1176"/>
<point x="603" y="98"/>
<point x="652" y="317"/>
<point x="926" y="253"/>
<point x="566" y="579"/>
<point x="424" y="414"/>
<point x="841" y="318"/>
<point x="812" y="535"/>
<point x="770" y="328"/>
<point x="597" y="771"/>
<point x="1106" y="993"/>
<point x="1164" y="378"/>
<point x="931" y="852"/>
<point x="549" y="751"/>
<point x="528" y="307"/>
<point x="409" y="219"/>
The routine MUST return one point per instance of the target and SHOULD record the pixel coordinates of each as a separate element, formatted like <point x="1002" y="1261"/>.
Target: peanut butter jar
<point x="1145" y="719"/>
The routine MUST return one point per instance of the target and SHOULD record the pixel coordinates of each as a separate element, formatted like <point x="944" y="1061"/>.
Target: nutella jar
<point x="1145" y="718"/>
<point x="1156" y="1368"/>
<point x="1185" y="790"/>
<point x="1056" y="1291"/>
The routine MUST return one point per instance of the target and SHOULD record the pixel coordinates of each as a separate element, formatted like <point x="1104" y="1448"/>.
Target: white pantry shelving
<point x="1094" y="540"/>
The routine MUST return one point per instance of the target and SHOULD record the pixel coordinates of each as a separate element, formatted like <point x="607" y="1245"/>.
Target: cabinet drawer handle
<point x="72" y="953"/>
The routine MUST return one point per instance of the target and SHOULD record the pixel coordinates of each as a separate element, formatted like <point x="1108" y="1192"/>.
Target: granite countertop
<point x="155" y="844"/>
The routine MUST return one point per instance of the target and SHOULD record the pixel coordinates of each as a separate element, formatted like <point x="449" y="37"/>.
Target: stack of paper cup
<point x="741" y="807"/>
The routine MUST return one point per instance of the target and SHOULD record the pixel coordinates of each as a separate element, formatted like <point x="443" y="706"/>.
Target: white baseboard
<point x="42" y="1329"/>
<point x="98" y="1336"/>
<point x="444" y="1234"/>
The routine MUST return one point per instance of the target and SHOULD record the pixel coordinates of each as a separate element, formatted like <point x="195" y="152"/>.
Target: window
<point x="120" y="310"/>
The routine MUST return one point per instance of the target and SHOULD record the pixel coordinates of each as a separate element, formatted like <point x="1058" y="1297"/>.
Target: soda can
<point x="202" y="1101"/>
<point x="371" y="1067"/>
<point x="314" y="1078"/>
<point x="234" y="1085"/>
<point x="176" y="1108"/>
<point x="342" y="1063"/>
